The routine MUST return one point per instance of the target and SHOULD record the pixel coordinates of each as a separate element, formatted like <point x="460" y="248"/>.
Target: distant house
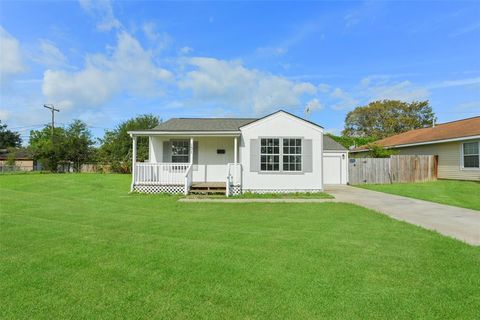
<point x="23" y="159"/>
<point x="456" y="143"/>
<point x="277" y="153"/>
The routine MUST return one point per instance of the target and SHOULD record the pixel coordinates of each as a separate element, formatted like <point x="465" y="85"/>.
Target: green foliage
<point x="43" y="150"/>
<point x="9" y="138"/>
<point x="376" y="151"/>
<point x="380" y="119"/>
<point x="11" y="156"/>
<point x="78" y="144"/>
<point x="78" y="246"/>
<point x="347" y="142"/>
<point x="116" y="145"/>
<point x="73" y="143"/>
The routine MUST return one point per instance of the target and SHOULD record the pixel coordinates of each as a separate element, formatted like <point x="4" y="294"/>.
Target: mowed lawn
<point x="465" y="194"/>
<point x="79" y="246"/>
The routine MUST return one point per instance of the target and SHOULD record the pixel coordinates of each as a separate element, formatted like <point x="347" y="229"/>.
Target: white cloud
<point x="232" y="84"/>
<point x="129" y="68"/>
<point x="324" y="88"/>
<point x="185" y="50"/>
<point x="313" y="105"/>
<point x="161" y="40"/>
<point x="49" y="55"/>
<point x="344" y="100"/>
<point x="404" y="90"/>
<point x="11" y="61"/>
<point x="102" y="11"/>
<point x="456" y="83"/>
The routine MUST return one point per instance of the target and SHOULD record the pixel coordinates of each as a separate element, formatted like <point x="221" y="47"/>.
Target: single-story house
<point x="456" y="144"/>
<point x="277" y="153"/>
<point x="23" y="159"/>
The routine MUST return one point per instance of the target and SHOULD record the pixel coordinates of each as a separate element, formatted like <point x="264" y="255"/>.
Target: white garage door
<point x="332" y="169"/>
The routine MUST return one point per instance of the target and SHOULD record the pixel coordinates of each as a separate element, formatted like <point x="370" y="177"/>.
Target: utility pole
<point x="52" y="108"/>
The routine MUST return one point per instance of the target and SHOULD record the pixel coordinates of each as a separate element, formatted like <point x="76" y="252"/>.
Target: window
<point x="292" y="155"/>
<point x="471" y="155"/>
<point x="180" y="151"/>
<point x="270" y="155"/>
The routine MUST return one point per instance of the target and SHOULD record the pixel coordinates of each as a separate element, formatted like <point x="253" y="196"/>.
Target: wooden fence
<point x="396" y="169"/>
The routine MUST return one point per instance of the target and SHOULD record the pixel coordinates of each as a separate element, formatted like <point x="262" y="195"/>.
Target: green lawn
<point x="80" y="246"/>
<point x="464" y="194"/>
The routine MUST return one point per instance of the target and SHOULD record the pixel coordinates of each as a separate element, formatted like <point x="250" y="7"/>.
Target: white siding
<point x="282" y="125"/>
<point x="449" y="159"/>
<point x="341" y="160"/>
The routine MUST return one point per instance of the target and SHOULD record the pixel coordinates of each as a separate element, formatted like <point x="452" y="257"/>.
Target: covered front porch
<point x="183" y="163"/>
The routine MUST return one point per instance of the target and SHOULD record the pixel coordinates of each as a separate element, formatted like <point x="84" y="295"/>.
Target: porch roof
<point x="197" y="126"/>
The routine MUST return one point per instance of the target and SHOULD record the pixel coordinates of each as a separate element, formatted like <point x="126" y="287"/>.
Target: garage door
<point x="332" y="169"/>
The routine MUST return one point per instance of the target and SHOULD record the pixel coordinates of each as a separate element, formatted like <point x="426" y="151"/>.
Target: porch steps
<point x="206" y="188"/>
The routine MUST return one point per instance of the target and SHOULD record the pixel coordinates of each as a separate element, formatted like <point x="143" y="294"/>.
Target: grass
<point x="250" y="195"/>
<point x="465" y="194"/>
<point x="80" y="246"/>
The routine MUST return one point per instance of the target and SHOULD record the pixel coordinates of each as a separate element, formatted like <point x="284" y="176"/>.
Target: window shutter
<point x="254" y="155"/>
<point x="167" y="151"/>
<point x="195" y="152"/>
<point x="307" y="155"/>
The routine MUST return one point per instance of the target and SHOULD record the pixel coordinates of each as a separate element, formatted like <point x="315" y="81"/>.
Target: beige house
<point x="23" y="160"/>
<point x="456" y="143"/>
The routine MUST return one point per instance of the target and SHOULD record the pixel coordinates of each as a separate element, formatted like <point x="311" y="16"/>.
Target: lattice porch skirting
<point x="235" y="190"/>
<point x="173" y="189"/>
<point x="262" y="191"/>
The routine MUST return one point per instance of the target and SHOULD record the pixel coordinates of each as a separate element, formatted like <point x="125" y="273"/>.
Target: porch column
<point x="235" y="159"/>
<point x="191" y="150"/>
<point x="134" y="160"/>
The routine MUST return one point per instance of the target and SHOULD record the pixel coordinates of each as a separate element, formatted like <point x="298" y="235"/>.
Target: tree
<point x="376" y="151"/>
<point x="48" y="153"/>
<point x="347" y="142"/>
<point x="9" y="138"/>
<point x="72" y="144"/>
<point x="116" y="145"/>
<point x="380" y="119"/>
<point x="78" y="144"/>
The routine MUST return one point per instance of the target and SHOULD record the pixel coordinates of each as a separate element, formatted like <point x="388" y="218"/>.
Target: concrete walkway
<point x="459" y="223"/>
<point x="245" y="200"/>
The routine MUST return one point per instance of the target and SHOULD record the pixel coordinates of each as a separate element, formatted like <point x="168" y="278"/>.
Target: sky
<point x="104" y="62"/>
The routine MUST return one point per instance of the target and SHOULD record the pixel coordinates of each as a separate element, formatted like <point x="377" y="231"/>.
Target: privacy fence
<point x="396" y="169"/>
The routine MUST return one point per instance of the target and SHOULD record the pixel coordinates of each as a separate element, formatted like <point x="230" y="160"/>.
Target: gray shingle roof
<point x="203" y="124"/>
<point x="330" y="144"/>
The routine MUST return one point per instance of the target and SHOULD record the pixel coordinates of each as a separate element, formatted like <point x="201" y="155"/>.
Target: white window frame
<point x="292" y="155"/>
<point x="279" y="154"/>
<point x="183" y="141"/>
<point x="462" y="160"/>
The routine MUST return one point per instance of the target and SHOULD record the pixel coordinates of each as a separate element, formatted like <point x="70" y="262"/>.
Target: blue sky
<point x="104" y="62"/>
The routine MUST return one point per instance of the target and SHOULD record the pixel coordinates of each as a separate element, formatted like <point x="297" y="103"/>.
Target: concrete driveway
<point x="459" y="223"/>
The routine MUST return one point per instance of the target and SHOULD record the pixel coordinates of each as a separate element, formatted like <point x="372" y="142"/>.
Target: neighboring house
<point x="23" y="159"/>
<point x="456" y="143"/>
<point x="277" y="153"/>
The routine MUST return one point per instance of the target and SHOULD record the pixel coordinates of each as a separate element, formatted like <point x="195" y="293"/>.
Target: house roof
<point x="203" y="124"/>
<point x="464" y="128"/>
<point x="330" y="144"/>
<point x="20" y="154"/>
<point x="212" y="124"/>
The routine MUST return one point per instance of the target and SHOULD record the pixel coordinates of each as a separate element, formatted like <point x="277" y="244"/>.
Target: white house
<point x="277" y="153"/>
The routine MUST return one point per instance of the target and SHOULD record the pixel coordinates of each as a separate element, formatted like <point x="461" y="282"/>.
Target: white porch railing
<point x="234" y="176"/>
<point x="161" y="173"/>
